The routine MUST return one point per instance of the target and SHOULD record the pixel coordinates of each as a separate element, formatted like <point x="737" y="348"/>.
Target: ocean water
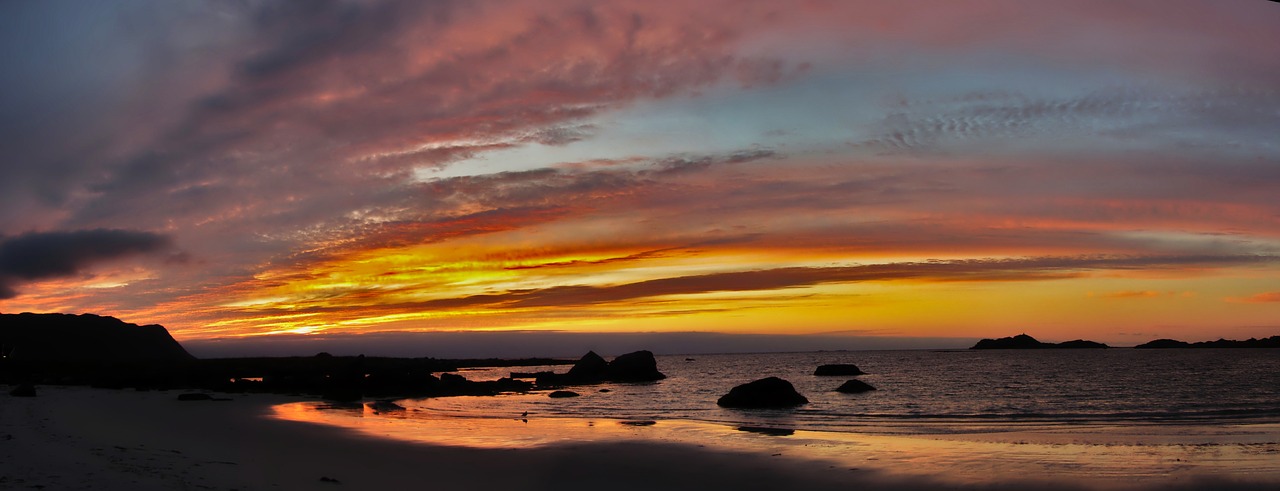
<point x="1117" y="416"/>
<point x="929" y="390"/>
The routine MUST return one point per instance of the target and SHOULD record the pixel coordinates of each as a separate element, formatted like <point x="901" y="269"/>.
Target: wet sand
<point x="80" y="438"/>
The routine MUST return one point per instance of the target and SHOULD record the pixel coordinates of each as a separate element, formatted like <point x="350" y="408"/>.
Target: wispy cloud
<point x="1265" y="297"/>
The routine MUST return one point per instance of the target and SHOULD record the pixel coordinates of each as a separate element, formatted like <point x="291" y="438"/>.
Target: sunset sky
<point x="1107" y="170"/>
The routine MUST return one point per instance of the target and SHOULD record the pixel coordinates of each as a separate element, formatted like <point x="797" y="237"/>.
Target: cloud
<point x="1028" y="269"/>
<point x="41" y="255"/>
<point x="1266" y="297"/>
<point x="1131" y="294"/>
<point x="1202" y="120"/>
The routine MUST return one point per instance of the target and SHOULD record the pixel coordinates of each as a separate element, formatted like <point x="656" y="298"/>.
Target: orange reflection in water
<point x="1102" y="455"/>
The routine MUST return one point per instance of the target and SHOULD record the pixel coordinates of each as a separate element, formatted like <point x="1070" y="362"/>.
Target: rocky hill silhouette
<point x="1023" y="341"/>
<point x="85" y="338"/>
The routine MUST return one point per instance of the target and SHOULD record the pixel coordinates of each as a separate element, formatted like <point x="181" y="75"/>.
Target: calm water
<point x="1108" y="417"/>
<point x="933" y="390"/>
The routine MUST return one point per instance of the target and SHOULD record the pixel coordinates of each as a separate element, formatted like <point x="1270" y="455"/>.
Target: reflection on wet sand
<point x="1096" y="454"/>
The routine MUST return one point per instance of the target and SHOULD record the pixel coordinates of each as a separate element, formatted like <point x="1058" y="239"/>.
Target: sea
<point x="1118" y="413"/>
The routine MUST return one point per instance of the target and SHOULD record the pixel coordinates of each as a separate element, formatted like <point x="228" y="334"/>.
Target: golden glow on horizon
<point x="473" y="285"/>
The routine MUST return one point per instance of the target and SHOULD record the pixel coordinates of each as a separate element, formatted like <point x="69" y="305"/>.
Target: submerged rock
<point x="855" y="387"/>
<point x="843" y="369"/>
<point x="771" y="392"/>
<point x="765" y="430"/>
<point x="385" y="407"/>
<point x="560" y="394"/>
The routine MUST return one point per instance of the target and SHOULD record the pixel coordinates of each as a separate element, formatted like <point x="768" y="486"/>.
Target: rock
<point x="342" y="393"/>
<point x="560" y="394"/>
<point x="194" y="396"/>
<point x="855" y="387"/>
<point x="590" y="367"/>
<point x="532" y="375"/>
<point x="452" y="379"/>
<point x="639" y="366"/>
<point x="765" y="430"/>
<point x="605" y="390"/>
<point x="771" y="392"/>
<point x="385" y="406"/>
<point x="638" y="423"/>
<point x="841" y="369"/>
<point x="24" y="390"/>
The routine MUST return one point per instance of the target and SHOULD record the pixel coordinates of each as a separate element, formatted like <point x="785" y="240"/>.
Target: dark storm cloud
<point x="42" y="255"/>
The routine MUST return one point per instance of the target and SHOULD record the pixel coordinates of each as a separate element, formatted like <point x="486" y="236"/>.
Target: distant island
<point x="1023" y="341"/>
<point x="1271" y="342"/>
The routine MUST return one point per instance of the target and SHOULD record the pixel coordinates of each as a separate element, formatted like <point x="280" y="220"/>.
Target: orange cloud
<point x="1267" y="297"/>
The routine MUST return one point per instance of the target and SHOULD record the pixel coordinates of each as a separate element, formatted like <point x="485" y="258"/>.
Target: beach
<point x="81" y="438"/>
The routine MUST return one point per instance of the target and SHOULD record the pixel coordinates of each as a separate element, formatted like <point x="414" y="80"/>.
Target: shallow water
<point x="923" y="389"/>
<point x="1107" y="416"/>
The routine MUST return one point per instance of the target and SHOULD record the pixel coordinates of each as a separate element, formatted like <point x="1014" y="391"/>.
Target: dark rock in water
<point x="590" y="367"/>
<point x="771" y="392"/>
<point x="605" y="390"/>
<point x="638" y="423"/>
<point x="24" y="390"/>
<point x="765" y="430"/>
<point x="639" y="366"/>
<point x="855" y="387"/>
<point x="532" y="375"/>
<point x="1023" y="341"/>
<point x="343" y="393"/>
<point x="452" y="379"/>
<point x="560" y="394"/>
<point x="85" y="338"/>
<point x="194" y="396"/>
<point x="843" y="369"/>
<point x="385" y="407"/>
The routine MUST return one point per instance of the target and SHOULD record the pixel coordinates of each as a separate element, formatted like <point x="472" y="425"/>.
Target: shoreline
<point x="82" y="438"/>
<point x="71" y="438"/>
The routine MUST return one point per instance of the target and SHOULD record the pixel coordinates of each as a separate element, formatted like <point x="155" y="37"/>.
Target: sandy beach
<point x="73" y="438"/>
<point x="80" y="438"/>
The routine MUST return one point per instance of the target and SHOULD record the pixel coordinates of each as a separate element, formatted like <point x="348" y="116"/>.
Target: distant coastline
<point x="1271" y="342"/>
<point x="1023" y="341"/>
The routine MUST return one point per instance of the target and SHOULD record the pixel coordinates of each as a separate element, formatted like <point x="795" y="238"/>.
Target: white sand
<point x="78" y="438"/>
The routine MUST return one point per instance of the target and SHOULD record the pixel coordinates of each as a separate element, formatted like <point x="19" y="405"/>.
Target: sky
<point x="250" y="171"/>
